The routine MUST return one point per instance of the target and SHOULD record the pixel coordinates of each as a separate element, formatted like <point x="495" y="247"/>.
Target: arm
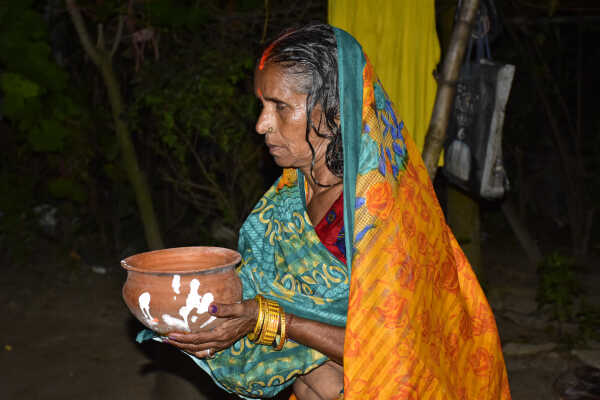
<point x="327" y="339"/>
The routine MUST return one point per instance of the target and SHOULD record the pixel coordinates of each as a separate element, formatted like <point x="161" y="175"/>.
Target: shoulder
<point x="282" y="199"/>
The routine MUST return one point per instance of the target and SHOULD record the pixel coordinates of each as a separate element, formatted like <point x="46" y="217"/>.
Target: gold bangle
<point x="267" y="336"/>
<point x="282" y="337"/>
<point x="271" y="324"/>
<point x="259" y="320"/>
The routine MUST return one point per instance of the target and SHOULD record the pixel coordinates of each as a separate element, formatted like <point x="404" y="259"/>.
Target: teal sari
<point x="284" y="260"/>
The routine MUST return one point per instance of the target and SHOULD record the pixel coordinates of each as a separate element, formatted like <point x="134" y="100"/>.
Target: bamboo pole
<point x="444" y="99"/>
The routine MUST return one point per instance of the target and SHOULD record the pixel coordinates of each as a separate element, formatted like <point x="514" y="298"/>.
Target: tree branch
<point x="100" y="42"/>
<point x="266" y="24"/>
<point x="118" y="36"/>
<point x="82" y="32"/>
<point x="137" y="179"/>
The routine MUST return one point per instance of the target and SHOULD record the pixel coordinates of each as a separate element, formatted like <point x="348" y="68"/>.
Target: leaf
<point x="65" y="188"/>
<point x="48" y="136"/>
<point x="15" y="84"/>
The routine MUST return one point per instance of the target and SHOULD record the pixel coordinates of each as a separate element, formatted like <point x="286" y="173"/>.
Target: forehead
<point x="274" y="81"/>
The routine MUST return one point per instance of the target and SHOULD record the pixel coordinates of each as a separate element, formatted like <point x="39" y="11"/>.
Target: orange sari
<point x="418" y="325"/>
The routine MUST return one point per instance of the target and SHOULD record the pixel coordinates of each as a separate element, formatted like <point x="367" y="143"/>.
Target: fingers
<point x="245" y="309"/>
<point x="200" y="337"/>
<point x="226" y="310"/>
<point x="210" y="354"/>
<point x="205" y="350"/>
<point x="197" y="349"/>
<point x="238" y="320"/>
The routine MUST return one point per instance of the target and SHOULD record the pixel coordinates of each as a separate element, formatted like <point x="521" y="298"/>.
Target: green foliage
<point x="200" y="121"/>
<point x="558" y="286"/>
<point x="45" y="127"/>
<point x="177" y="15"/>
<point x="560" y="289"/>
<point x="24" y="46"/>
<point x="588" y="320"/>
<point x="17" y="90"/>
<point x="64" y="188"/>
<point x="49" y="135"/>
<point x="191" y="113"/>
<point x="36" y="97"/>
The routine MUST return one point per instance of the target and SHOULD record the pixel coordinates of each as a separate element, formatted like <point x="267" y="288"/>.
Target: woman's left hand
<point x="241" y="319"/>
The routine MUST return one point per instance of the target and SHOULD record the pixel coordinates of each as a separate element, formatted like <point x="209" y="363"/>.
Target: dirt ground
<point x="68" y="335"/>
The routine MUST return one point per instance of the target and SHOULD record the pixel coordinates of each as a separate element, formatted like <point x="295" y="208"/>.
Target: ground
<point x="68" y="335"/>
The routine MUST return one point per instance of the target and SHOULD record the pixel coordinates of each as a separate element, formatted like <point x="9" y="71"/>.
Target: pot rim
<point x="220" y="268"/>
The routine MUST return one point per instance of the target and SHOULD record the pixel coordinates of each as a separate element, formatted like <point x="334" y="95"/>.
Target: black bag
<point x="473" y="150"/>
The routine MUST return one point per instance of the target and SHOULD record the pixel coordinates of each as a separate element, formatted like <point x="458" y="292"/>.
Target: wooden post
<point x="447" y="85"/>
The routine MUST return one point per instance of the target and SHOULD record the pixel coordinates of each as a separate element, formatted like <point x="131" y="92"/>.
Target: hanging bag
<point x="473" y="150"/>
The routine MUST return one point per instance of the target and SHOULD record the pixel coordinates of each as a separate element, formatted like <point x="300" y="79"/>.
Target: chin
<point x="282" y="162"/>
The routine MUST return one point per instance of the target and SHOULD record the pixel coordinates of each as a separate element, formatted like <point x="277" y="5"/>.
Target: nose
<point x="262" y="124"/>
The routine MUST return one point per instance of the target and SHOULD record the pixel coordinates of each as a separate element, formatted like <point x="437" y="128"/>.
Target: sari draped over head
<point x="418" y="325"/>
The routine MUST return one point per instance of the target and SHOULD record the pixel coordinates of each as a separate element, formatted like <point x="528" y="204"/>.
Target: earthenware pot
<point x="170" y="290"/>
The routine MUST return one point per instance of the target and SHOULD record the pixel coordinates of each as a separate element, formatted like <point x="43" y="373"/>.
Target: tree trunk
<point x="444" y="98"/>
<point x="103" y="60"/>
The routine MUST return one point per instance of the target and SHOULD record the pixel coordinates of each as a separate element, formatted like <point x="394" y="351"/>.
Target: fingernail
<point x="212" y="309"/>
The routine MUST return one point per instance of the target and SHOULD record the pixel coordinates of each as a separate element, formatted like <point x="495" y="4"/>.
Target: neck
<point x="321" y="179"/>
<point x="325" y="178"/>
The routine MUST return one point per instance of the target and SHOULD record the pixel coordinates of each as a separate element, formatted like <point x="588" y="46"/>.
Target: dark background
<point x="68" y="213"/>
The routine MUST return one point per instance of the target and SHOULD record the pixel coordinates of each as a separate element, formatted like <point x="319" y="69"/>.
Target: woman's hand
<point x="241" y="320"/>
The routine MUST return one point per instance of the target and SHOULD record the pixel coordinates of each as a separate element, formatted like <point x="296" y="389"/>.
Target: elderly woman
<point x="353" y="285"/>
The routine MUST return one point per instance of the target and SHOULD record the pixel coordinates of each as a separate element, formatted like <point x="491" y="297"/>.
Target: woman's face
<point x="283" y="118"/>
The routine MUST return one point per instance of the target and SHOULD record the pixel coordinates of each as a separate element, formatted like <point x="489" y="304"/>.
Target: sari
<point x="418" y="325"/>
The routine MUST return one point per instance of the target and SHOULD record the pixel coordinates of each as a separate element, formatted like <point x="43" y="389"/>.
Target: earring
<point x="270" y="130"/>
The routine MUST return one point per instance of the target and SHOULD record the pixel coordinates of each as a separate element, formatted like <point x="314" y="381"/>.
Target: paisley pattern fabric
<point x="418" y="325"/>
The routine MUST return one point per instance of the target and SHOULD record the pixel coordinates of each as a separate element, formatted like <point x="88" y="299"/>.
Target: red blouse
<point x="331" y="230"/>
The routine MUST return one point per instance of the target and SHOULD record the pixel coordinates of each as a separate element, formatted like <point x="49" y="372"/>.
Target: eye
<point x="281" y="106"/>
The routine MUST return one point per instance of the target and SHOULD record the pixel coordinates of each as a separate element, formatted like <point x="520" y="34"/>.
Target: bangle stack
<point x="270" y="321"/>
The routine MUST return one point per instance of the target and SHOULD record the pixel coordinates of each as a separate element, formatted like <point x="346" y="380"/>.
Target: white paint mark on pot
<point x="144" y="302"/>
<point x="176" y="283"/>
<point x="193" y="301"/>
<point x="175" y="322"/>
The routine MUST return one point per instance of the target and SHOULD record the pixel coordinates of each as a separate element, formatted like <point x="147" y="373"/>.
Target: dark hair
<point x="310" y="54"/>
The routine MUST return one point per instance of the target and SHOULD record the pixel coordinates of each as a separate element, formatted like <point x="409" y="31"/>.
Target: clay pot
<point x="170" y="290"/>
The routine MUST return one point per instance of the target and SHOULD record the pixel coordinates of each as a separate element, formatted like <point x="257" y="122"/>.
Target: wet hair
<point x="309" y="54"/>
